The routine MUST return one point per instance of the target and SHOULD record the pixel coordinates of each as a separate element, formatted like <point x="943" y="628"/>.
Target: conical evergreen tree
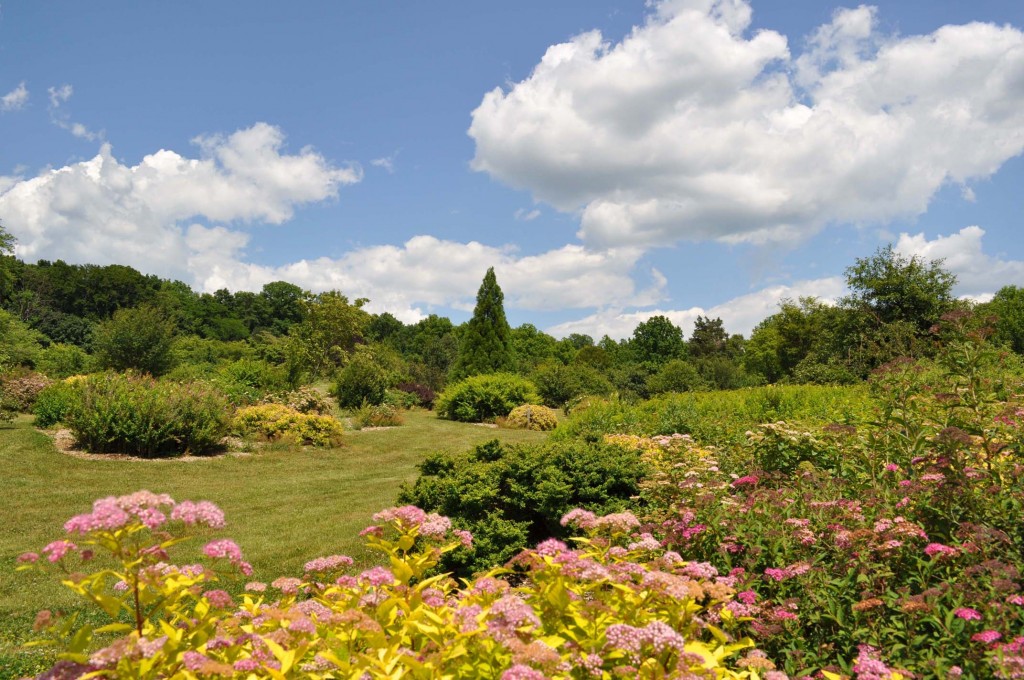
<point x="486" y="345"/>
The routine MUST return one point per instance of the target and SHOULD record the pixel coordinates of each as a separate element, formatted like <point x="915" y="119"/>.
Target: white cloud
<point x="738" y="315"/>
<point x="60" y="96"/>
<point x="104" y="211"/>
<point x="978" y="275"/>
<point x="15" y="99"/>
<point x="524" y="215"/>
<point x="691" y="128"/>
<point x="426" y="272"/>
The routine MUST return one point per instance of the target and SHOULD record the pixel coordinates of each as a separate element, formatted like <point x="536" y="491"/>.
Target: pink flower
<point x="933" y="549"/>
<point x="747" y="597"/>
<point x="28" y="558"/>
<point x="203" y="512"/>
<point x="330" y="563"/>
<point x="465" y="538"/>
<point x="55" y="551"/>
<point x="892" y="467"/>
<point x="750" y="480"/>
<point x="987" y="636"/>
<point x="288" y="585"/>
<point x="378" y="576"/>
<point x="407" y="516"/>
<point x="967" y="614"/>
<point x="219" y="598"/>
<point x="579" y="517"/>
<point x="521" y="672"/>
<point x="223" y="548"/>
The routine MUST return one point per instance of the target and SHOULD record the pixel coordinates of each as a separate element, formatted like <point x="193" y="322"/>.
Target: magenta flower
<point x="987" y="636"/>
<point x="748" y="480"/>
<point x="967" y="614"/>
<point x="933" y="549"/>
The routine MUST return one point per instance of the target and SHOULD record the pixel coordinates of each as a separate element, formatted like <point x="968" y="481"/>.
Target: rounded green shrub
<point x="482" y="398"/>
<point x="363" y="380"/>
<point x="532" y="417"/>
<point x="55" y="402"/>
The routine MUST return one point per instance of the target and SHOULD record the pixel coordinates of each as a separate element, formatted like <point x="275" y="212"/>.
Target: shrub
<point x="129" y="413"/>
<point x="532" y="417"/>
<point x="559" y="385"/>
<point x="305" y="400"/>
<point x="361" y="380"/>
<point x="377" y="415"/>
<point x="424" y="395"/>
<point x="483" y="398"/>
<point x="278" y="422"/>
<point x="608" y="609"/>
<point x="62" y="361"/>
<point x="512" y="496"/>
<point x="55" y="402"/>
<point x="139" y="338"/>
<point x="20" y="387"/>
<point x="677" y="375"/>
<point x="247" y="381"/>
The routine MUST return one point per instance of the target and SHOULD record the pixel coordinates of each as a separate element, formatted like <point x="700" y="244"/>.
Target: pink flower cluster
<point x="409" y="517"/>
<point x="615" y="522"/>
<point x="784" y="573"/>
<point x="329" y="563"/>
<point x="227" y="549"/>
<point x="146" y="508"/>
<point x="658" y="635"/>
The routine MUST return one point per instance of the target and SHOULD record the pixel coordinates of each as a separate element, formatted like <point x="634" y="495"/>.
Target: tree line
<point x="69" y="318"/>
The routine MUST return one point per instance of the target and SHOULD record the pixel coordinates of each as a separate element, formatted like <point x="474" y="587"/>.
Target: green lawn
<point x="284" y="506"/>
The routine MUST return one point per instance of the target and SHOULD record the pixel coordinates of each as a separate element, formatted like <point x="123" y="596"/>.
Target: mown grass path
<point x="284" y="506"/>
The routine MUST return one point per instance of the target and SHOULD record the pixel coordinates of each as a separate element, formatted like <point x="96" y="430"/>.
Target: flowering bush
<point x="276" y="421"/>
<point x="20" y="387"/>
<point x="304" y="400"/>
<point x="617" y="606"/>
<point x="532" y="417"/>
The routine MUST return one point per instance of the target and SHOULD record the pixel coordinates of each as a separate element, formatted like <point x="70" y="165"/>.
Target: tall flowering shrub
<point x="618" y="605"/>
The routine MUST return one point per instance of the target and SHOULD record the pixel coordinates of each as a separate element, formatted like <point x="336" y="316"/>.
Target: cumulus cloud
<point x="426" y="272"/>
<point x="739" y="315"/>
<point x="693" y="128"/>
<point x="15" y="99"/>
<point x="978" y="274"/>
<point x="105" y="211"/>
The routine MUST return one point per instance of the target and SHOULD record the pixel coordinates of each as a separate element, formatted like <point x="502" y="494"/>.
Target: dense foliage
<point x="512" y="497"/>
<point x="482" y="398"/>
<point x="486" y="345"/>
<point x="136" y="414"/>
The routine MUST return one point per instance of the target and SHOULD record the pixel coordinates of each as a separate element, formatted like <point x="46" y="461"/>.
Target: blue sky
<point x="612" y="160"/>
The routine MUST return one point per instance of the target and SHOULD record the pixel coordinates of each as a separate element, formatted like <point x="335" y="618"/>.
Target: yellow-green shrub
<point x="276" y="421"/>
<point x="532" y="417"/>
